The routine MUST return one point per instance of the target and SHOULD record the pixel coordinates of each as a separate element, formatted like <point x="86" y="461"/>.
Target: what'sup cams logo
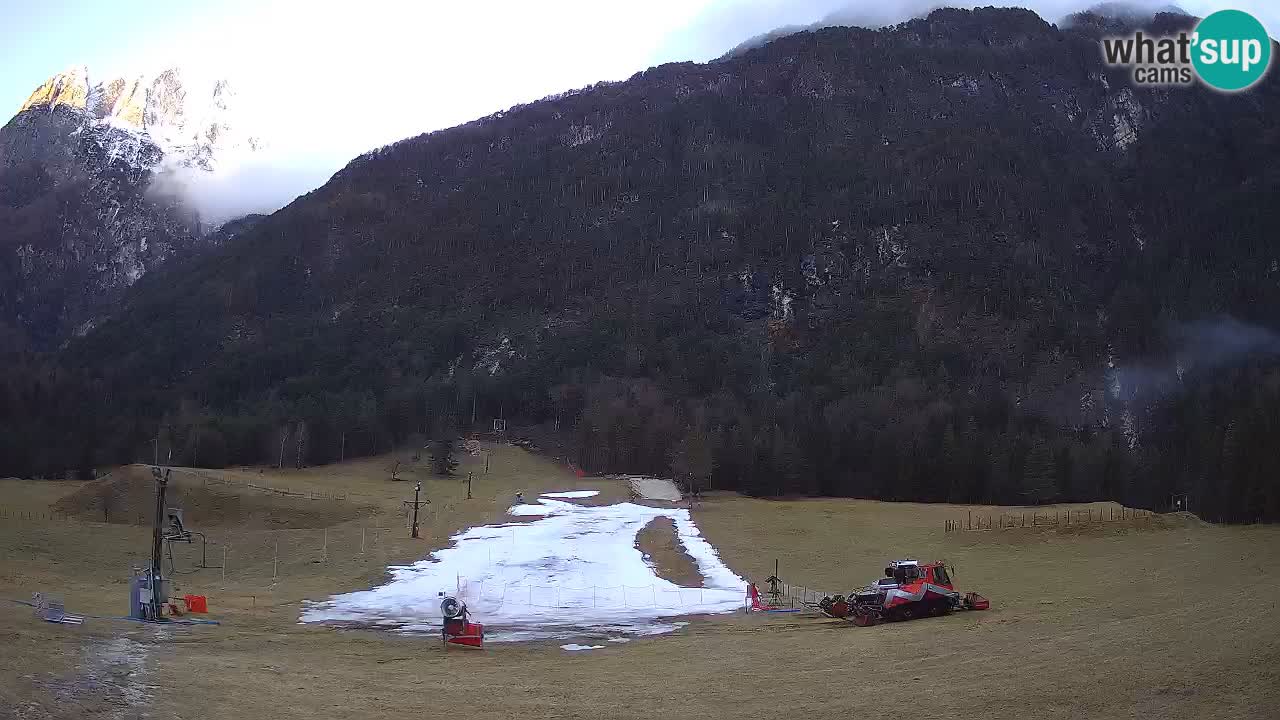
<point x="1229" y="51"/>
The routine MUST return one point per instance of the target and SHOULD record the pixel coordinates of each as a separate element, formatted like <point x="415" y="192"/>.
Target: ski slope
<point x="574" y="572"/>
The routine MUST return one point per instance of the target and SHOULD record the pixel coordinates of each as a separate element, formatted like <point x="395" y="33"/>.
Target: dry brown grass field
<point x="1163" y="618"/>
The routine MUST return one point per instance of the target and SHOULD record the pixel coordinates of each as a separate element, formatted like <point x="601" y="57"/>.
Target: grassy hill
<point x="1171" y="617"/>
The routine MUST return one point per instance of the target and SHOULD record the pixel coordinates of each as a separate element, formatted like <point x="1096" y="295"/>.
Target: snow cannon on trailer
<point x="458" y="630"/>
<point x="909" y="590"/>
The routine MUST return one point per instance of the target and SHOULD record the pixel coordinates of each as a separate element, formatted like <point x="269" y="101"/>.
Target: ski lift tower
<point x="148" y="589"/>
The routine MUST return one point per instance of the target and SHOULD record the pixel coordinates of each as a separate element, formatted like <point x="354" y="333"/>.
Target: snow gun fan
<point x="908" y="590"/>
<point x="458" y="630"/>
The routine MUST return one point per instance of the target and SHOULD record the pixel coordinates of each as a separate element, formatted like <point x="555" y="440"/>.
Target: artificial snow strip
<point x="574" y="572"/>
<point x="528" y="510"/>
<point x="571" y="494"/>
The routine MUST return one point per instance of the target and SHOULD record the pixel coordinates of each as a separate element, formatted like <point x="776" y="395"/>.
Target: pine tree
<point x="951" y="464"/>
<point x="1037" y="474"/>
<point x="442" y="460"/>
<point x="691" y="461"/>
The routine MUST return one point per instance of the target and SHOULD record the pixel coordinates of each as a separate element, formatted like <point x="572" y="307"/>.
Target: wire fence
<point x="36" y="515"/>
<point x="1034" y="519"/>
<point x="794" y="596"/>
<point x="253" y="557"/>
<point x="268" y="561"/>
<point x="616" y="597"/>
<point x="269" y="557"/>
<point x="263" y="559"/>
<point x="207" y="479"/>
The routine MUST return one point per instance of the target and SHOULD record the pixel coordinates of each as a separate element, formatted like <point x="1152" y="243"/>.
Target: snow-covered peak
<point x="195" y="121"/>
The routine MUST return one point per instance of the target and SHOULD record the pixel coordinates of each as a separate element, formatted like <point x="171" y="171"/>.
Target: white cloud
<point x="323" y="82"/>
<point x="334" y="80"/>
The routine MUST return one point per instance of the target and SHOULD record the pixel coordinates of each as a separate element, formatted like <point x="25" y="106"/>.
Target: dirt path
<point x="661" y="547"/>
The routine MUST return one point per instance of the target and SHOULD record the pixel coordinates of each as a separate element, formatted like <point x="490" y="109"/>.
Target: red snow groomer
<point x="908" y="590"/>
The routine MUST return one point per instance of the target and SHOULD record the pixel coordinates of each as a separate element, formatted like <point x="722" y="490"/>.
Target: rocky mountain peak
<point x="196" y="122"/>
<point x="93" y="190"/>
<point x="69" y="88"/>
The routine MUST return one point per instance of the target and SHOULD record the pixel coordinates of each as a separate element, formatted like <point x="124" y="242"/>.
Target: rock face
<point x="85" y="208"/>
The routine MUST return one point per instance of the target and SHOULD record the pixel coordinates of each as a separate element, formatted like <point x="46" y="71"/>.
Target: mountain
<point x="91" y="182"/>
<point x="878" y="15"/>
<point x="955" y="259"/>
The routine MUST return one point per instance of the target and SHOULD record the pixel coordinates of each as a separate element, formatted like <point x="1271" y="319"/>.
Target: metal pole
<point x="157" y="542"/>
<point x="417" y="488"/>
<point x="469" y="485"/>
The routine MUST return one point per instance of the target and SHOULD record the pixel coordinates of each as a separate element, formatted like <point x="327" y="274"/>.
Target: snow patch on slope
<point x="571" y="494"/>
<point x="575" y="572"/>
<point x="529" y="510"/>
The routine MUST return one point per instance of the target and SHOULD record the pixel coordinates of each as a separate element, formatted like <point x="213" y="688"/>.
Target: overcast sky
<point x="330" y="80"/>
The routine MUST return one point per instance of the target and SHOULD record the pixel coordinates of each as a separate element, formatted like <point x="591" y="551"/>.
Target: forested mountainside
<point x="956" y="259"/>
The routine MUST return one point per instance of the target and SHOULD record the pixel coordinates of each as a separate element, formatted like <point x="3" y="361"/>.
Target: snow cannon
<point x="458" y="630"/>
